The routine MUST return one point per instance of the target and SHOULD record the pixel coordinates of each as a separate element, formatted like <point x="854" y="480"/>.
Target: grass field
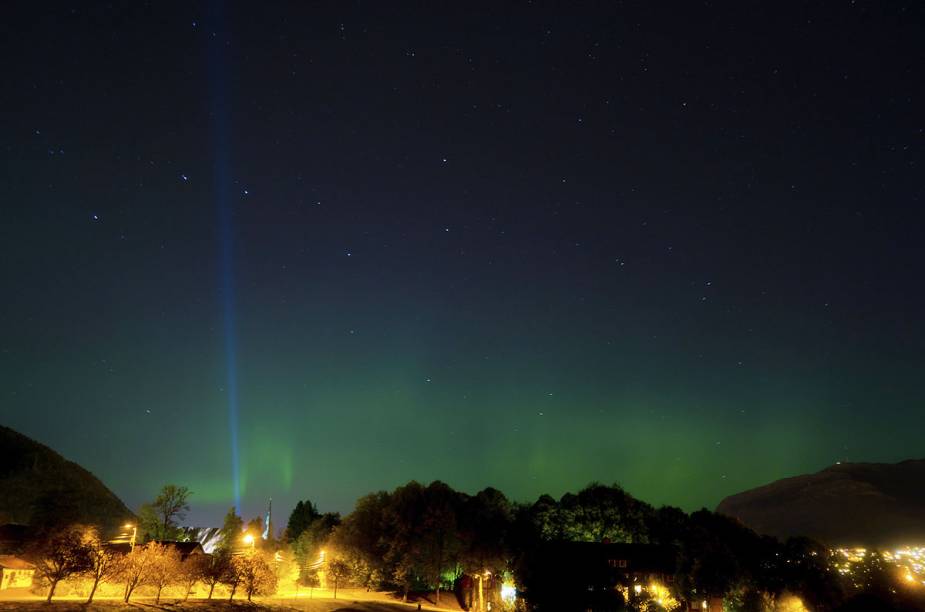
<point x="192" y="606"/>
<point x="358" y="601"/>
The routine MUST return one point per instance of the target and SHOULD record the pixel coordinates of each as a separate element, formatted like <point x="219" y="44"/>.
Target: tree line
<point x="432" y="538"/>
<point x="78" y="552"/>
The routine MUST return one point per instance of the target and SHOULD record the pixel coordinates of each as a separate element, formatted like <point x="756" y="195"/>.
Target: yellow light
<point x="638" y="589"/>
<point x="248" y="539"/>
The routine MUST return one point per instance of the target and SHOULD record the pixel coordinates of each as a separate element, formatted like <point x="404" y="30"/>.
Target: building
<point x="606" y="577"/>
<point x="597" y="576"/>
<point x="186" y="549"/>
<point x="711" y="604"/>
<point x="15" y="573"/>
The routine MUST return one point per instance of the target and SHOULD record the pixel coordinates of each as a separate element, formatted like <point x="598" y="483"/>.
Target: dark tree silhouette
<point x="232" y="528"/>
<point x="62" y="555"/>
<point x="302" y="516"/>
<point x="159" y="518"/>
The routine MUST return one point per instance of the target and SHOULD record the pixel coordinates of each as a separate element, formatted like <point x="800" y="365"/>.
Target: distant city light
<point x="909" y="560"/>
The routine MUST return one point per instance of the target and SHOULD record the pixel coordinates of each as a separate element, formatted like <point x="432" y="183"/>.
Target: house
<point x="597" y="576"/>
<point x="711" y="604"/>
<point x="186" y="549"/>
<point x="15" y="573"/>
<point x="605" y="577"/>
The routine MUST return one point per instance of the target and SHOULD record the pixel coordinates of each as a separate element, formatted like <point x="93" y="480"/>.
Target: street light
<point x="249" y="539"/>
<point x="134" y="529"/>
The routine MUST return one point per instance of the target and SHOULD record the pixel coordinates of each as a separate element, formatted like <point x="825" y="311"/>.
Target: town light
<point x="249" y="540"/>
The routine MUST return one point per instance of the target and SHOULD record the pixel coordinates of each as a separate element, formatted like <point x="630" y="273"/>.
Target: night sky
<point x="678" y="246"/>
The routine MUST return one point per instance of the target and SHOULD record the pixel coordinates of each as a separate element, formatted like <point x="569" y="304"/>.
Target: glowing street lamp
<point x="249" y="540"/>
<point x="134" y="529"/>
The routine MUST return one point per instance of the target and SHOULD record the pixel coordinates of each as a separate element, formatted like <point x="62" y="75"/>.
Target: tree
<point x="104" y="563"/>
<point x="600" y="513"/>
<point x="231" y="530"/>
<point x="216" y="569"/>
<point x="136" y="566"/>
<point x="257" y="575"/>
<point x="164" y="569"/>
<point x="438" y="533"/>
<point x="303" y="515"/>
<point x="63" y="555"/>
<point x="234" y="574"/>
<point x="338" y="570"/>
<point x="403" y="514"/>
<point x="159" y="518"/>
<point x="309" y="578"/>
<point x="361" y="535"/>
<point x="191" y="572"/>
<point x="486" y="522"/>
<point x="314" y="537"/>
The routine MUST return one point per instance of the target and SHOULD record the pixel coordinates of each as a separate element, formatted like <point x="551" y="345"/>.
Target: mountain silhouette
<point x="39" y="487"/>
<point x="849" y="504"/>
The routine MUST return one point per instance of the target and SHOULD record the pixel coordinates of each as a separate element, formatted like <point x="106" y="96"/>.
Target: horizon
<point x="254" y="509"/>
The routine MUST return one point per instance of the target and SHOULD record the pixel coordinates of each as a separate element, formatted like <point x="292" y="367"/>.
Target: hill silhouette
<point x="39" y="487"/>
<point x="864" y="504"/>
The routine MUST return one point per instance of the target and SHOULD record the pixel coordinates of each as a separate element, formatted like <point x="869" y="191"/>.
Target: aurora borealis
<point x="527" y="247"/>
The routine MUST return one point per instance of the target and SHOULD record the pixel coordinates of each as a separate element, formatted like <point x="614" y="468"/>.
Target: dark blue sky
<point x="675" y="246"/>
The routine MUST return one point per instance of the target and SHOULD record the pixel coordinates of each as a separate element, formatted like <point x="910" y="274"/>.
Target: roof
<point x="11" y="562"/>
<point x="184" y="548"/>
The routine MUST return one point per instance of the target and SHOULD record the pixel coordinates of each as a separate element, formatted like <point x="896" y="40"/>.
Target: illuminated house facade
<point x="15" y="573"/>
